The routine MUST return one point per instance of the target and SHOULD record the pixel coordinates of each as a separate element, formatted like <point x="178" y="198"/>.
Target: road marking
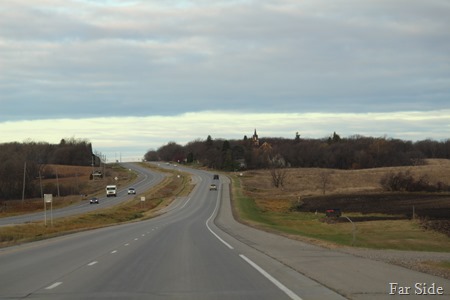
<point x="127" y="244"/>
<point x="53" y="286"/>
<point x="136" y="239"/>
<point x="92" y="263"/>
<point x="282" y="287"/>
<point x="115" y="251"/>
<point x="189" y="199"/>
<point x="209" y="219"/>
<point x="143" y="234"/>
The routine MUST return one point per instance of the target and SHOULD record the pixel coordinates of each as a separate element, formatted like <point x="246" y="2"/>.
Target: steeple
<point x="255" y="139"/>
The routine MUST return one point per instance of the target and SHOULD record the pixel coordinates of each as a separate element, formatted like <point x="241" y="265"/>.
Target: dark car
<point x="93" y="200"/>
<point x="216" y="176"/>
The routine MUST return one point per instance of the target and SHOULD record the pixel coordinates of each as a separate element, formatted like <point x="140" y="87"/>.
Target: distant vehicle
<point x="131" y="190"/>
<point x="97" y="174"/>
<point x="216" y="176"/>
<point x="111" y="191"/>
<point x="93" y="200"/>
<point x="213" y="187"/>
<point x="333" y="213"/>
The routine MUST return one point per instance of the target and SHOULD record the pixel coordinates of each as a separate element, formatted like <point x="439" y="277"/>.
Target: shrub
<point x="405" y="181"/>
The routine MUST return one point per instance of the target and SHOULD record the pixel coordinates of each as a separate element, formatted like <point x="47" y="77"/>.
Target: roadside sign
<point x="142" y="198"/>
<point x="48" y="198"/>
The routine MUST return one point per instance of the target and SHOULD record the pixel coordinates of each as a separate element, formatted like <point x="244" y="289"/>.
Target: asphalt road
<point x="178" y="255"/>
<point x="351" y="276"/>
<point x="196" y="250"/>
<point x="146" y="178"/>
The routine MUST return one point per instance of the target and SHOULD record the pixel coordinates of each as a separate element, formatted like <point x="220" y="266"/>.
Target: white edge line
<point x="189" y="199"/>
<point x="209" y="219"/>
<point x="92" y="263"/>
<point x="53" y="285"/>
<point x="282" y="287"/>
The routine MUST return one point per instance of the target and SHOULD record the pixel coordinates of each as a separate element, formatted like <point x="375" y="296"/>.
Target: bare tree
<point x="278" y="176"/>
<point x="325" y="179"/>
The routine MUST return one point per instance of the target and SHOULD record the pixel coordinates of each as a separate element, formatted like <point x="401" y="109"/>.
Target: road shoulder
<point x="352" y="276"/>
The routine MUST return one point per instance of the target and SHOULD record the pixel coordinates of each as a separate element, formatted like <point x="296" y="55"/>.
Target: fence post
<point x="354" y="230"/>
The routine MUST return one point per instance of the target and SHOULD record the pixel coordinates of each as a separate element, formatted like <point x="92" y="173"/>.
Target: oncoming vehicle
<point x="216" y="176"/>
<point x="213" y="187"/>
<point x="111" y="191"/>
<point x="93" y="200"/>
<point x="131" y="190"/>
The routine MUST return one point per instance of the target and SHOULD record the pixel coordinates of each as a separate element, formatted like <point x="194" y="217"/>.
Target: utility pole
<point x="57" y="182"/>
<point x="40" y="184"/>
<point x="92" y="164"/>
<point x="24" y="178"/>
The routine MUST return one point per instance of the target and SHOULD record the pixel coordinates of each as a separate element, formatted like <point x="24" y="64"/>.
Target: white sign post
<point x="142" y="200"/>
<point x="48" y="198"/>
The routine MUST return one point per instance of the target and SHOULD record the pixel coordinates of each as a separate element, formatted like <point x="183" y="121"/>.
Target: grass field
<point x="261" y="204"/>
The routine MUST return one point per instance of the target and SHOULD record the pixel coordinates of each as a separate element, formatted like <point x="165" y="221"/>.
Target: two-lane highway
<point x="146" y="178"/>
<point x="178" y="255"/>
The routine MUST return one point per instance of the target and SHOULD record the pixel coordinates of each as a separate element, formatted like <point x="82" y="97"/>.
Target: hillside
<point x="356" y="191"/>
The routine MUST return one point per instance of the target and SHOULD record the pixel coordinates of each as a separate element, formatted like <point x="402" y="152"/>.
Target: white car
<point x="131" y="190"/>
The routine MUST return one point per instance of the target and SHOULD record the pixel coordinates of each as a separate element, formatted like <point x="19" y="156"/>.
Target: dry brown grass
<point x="133" y="210"/>
<point x="303" y="182"/>
<point x="380" y="219"/>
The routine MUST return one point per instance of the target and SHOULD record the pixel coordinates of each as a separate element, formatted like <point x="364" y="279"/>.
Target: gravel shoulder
<point x="414" y="260"/>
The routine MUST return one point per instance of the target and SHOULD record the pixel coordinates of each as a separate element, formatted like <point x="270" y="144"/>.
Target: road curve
<point x="178" y="255"/>
<point x="196" y="250"/>
<point x="348" y="275"/>
<point x="146" y="178"/>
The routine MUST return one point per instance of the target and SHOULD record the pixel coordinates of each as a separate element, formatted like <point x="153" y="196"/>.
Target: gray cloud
<point x="112" y="58"/>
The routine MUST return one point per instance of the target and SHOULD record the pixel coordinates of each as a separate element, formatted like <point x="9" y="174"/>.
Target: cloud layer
<point x="132" y="75"/>
<point x="71" y="59"/>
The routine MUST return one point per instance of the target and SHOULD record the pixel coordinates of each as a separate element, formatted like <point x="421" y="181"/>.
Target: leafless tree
<point x="278" y="176"/>
<point x="325" y="179"/>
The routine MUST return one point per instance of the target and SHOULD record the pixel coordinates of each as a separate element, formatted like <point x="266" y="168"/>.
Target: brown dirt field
<point x="400" y="205"/>
<point x="354" y="191"/>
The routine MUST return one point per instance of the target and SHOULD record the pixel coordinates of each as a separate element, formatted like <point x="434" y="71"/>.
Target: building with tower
<point x="255" y="139"/>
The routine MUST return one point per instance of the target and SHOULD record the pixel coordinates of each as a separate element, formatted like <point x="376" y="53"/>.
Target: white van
<point x="111" y="191"/>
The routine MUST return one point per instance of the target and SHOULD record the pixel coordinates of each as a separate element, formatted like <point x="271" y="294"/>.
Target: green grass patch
<point x="246" y="207"/>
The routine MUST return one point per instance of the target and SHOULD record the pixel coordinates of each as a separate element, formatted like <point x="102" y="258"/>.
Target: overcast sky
<point x="133" y="75"/>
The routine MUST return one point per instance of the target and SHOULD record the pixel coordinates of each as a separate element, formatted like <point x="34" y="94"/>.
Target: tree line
<point x="355" y="152"/>
<point x="19" y="161"/>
